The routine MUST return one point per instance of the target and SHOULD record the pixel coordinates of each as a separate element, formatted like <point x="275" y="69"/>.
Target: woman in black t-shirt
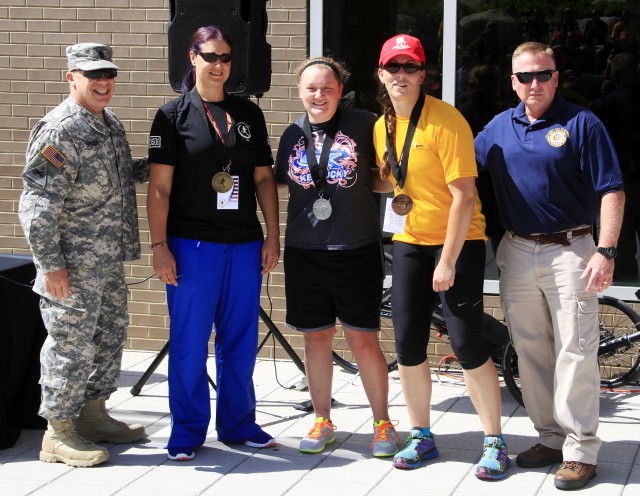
<point x="210" y="160"/>
<point x="333" y="256"/>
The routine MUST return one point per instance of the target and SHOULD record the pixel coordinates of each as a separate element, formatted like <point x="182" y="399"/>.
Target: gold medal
<point x="222" y="182"/>
<point x="402" y="204"/>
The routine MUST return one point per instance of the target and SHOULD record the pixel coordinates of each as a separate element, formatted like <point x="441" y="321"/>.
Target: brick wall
<point x="33" y="38"/>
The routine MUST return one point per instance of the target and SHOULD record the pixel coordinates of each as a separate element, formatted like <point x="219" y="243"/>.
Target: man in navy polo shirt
<point x="554" y="170"/>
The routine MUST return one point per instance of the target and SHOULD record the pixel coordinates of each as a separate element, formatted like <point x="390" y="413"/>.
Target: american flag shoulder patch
<point x="53" y="156"/>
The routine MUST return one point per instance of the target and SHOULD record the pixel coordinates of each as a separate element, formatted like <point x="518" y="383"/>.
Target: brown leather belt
<point x="560" y="238"/>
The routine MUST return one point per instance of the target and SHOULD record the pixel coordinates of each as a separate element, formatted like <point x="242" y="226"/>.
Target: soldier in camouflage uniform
<point x="78" y="212"/>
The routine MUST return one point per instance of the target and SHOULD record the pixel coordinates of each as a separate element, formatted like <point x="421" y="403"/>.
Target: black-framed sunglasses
<point x="541" y="76"/>
<point x="409" y="67"/>
<point x="101" y="73"/>
<point x="212" y="57"/>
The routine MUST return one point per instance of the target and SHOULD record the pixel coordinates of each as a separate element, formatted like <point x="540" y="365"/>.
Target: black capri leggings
<point x="414" y="299"/>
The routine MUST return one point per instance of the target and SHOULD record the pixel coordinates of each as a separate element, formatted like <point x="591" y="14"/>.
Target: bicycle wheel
<point x="510" y="372"/>
<point x="620" y="366"/>
<point x="343" y="357"/>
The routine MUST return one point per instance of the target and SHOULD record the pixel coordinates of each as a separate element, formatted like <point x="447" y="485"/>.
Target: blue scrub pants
<point x="219" y="284"/>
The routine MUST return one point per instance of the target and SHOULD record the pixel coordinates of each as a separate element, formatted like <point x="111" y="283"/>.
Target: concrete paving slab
<point x="345" y="467"/>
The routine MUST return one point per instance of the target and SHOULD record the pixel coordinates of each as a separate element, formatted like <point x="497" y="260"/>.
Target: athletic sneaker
<point x="495" y="459"/>
<point x="260" y="440"/>
<point x="385" y="440"/>
<point x="181" y="454"/>
<point x="419" y="447"/>
<point x="318" y="437"/>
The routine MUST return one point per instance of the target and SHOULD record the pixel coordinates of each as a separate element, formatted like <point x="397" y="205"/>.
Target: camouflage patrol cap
<point x="90" y="56"/>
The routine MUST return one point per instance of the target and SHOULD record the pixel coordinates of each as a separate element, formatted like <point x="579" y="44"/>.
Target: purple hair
<point x="200" y="37"/>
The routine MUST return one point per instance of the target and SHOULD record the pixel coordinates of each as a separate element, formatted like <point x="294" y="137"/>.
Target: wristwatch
<point x="610" y="252"/>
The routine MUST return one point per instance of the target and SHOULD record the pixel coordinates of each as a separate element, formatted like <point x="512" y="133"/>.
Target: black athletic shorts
<point x="322" y="285"/>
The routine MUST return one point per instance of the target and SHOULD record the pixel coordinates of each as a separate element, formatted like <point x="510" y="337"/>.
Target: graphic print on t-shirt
<point x="341" y="169"/>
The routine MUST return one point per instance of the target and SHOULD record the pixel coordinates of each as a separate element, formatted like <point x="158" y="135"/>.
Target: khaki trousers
<point x="553" y="323"/>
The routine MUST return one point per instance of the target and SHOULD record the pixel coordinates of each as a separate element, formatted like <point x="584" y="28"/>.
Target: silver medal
<point x="322" y="209"/>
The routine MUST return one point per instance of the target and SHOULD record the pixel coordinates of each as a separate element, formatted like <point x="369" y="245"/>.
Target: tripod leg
<point x="305" y="406"/>
<point x="135" y="390"/>
<point x="281" y="339"/>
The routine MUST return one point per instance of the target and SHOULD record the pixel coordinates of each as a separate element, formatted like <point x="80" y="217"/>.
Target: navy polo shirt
<point x="548" y="175"/>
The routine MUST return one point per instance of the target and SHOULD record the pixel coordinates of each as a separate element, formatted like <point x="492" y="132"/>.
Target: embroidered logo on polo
<point x="557" y="137"/>
<point x="244" y="130"/>
<point x="155" y="142"/>
<point x="341" y="169"/>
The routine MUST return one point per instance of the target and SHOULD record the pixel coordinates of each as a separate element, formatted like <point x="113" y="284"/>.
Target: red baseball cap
<point x="402" y="44"/>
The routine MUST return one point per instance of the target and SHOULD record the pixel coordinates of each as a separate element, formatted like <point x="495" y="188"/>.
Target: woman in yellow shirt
<point x="425" y="148"/>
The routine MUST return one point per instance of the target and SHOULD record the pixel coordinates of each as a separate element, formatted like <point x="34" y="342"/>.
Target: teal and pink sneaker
<point x="419" y="447"/>
<point x="495" y="459"/>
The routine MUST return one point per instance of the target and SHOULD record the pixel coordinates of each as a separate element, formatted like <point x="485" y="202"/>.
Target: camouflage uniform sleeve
<point x="52" y="165"/>
<point x="141" y="170"/>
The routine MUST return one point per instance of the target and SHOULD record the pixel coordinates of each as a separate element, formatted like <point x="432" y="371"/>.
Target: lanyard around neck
<point x="400" y="170"/>
<point x="319" y="171"/>
<point x="229" y="137"/>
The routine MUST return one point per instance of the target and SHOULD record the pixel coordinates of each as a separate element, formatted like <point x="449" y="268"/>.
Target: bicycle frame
<point x="621" y="343"/>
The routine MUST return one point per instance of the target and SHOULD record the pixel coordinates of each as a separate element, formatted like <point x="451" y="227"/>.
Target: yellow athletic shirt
<point x="441" y="151"/>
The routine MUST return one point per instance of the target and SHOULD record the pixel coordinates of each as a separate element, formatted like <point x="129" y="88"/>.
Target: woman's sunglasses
<point x="212" y="57"/>
<point x="409" y="67"/>
<point x="100" y="73"/>
<point x="541" y="76"/>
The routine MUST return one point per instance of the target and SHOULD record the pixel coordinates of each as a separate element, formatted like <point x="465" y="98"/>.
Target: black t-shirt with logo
<point x="181" y="136"/>
<point x="354" y="221"/>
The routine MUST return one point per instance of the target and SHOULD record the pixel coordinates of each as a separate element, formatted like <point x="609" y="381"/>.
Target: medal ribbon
<point x="400" y="171"/>
<point x="319" y="172"/>
<point x="228" y="139"/>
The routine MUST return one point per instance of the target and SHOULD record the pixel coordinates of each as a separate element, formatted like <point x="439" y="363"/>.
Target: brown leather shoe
<point x="574" y="475"/>
<point x="539" y="456"/>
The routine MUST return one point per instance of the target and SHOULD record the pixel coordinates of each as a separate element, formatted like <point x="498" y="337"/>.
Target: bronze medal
<point x="402" y="204"/>
<point x="322" y="209"/>
<point x="222" y="182"/>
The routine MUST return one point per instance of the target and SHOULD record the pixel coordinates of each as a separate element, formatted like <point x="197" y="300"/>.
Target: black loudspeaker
<point x="244" y="21"/>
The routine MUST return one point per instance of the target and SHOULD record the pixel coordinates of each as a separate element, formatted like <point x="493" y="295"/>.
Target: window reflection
<point x="596" y="49"/>
<point x="354" y="31"/>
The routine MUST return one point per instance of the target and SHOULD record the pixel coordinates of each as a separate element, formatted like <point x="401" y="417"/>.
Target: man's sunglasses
<point x="212" y="57"/>
<point x="541" y="76"/>
<point x="100" y="73"/>
<point x="409" y="67"/>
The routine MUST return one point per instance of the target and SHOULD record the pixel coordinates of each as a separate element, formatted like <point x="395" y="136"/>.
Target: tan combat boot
<point x="61" y="443"/>
<point x="95" y="424"/>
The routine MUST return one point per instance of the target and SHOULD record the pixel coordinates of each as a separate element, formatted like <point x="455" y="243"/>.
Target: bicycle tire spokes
<point x="619" y="352"/>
